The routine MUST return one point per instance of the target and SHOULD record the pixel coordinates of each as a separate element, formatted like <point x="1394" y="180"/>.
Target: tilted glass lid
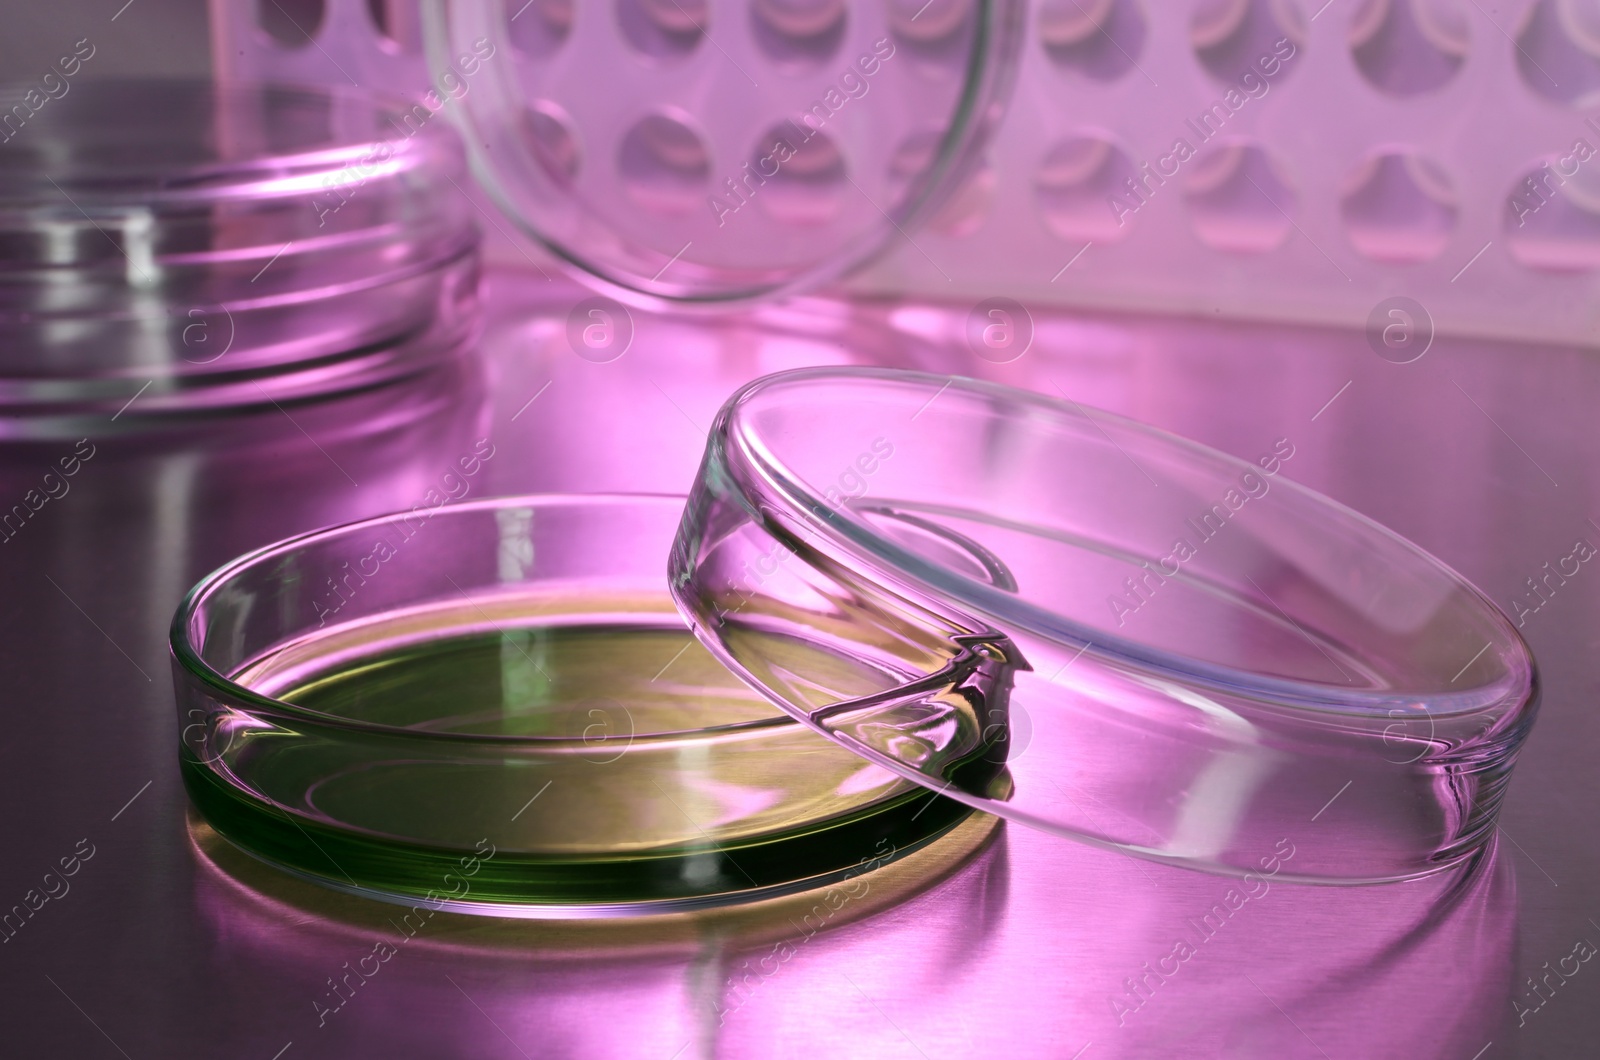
<point x="1092" y="627"/>
<point x="719" y="151"/>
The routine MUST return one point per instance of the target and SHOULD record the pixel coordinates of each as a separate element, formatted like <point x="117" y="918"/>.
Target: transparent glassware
<point x="494" y="707"/>
<point x="717" y="152"/>
<point x="175" y="245"/>
<point x="1092" y="627"/>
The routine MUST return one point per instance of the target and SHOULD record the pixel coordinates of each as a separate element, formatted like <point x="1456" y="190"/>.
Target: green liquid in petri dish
<point x="605" y="764"/>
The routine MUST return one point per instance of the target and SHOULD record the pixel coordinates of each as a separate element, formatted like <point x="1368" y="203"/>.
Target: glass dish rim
<point x="743" y="449"/>
<point x="216" y="180"/>
<point x="193" y="667"/>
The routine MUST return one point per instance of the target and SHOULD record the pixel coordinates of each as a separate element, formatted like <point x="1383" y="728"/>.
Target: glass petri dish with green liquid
<point x="495" y="707"/>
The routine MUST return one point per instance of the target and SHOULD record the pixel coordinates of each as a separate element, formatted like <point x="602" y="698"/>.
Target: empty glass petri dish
<point x="707" y="154"/>
<point x="495" y="707"/>
<point x="177" y="245"/>
<point x="1089" y="626"/>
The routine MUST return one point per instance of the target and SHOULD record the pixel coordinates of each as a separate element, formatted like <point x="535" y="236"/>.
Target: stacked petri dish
<point x="177" y="246"/>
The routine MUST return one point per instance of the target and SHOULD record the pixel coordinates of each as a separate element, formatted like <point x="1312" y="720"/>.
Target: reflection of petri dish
<point x="1102" y="630"/>
<point x="242" y="890"/>
<point x="494" y="707"/>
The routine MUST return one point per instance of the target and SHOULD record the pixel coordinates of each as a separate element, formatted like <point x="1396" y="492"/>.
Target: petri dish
<point x="495" y="707"/>
<point x="175" y="245"/>
<point x="1095" y="628"/>
<point x="700" y="154"/>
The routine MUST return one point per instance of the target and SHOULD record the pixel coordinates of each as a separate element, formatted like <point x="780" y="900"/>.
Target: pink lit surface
<point x="1035" y="947"/>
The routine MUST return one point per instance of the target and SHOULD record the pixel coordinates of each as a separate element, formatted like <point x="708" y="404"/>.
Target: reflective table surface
<point x="129" y="930"/>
